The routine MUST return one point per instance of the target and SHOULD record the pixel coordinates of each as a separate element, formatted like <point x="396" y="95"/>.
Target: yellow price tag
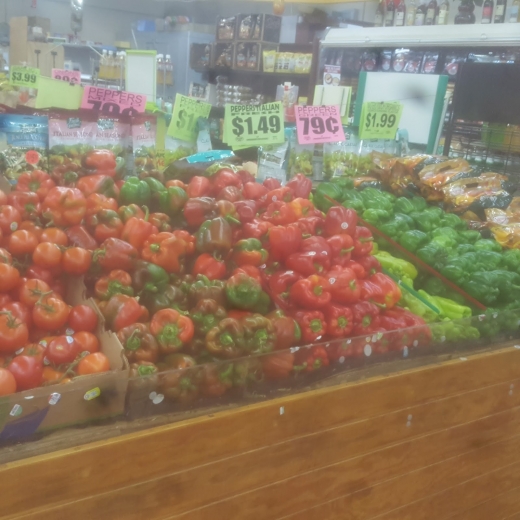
<point x="254" y="125"/>
<point x="186" y="113"/>
<point x="24" y="77"/>
<point x="380" y="120"/>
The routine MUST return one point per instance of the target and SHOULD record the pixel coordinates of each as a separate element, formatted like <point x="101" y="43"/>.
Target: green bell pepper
<point x="172" y="200"/>
<point x="353" y="200"/>
<point x="376" y="217"/>
<point x="470" y="236"/>
<point x="456" y="270"/>
<point x="417" y="307"/>
<point x="445" y="241"/>
<point x="419" y="204"/>
<point x="396" y="266"/>
<point x="511" y="260"/>
<point x="404" y="205"/>
<point x="488" y="245"/>
<point x="453" y="331"/>
<point x="489" y="260"/>
<point x="329" y="189"/>
<point x="343" y="182"/>
<point x="135" y="191"/>
<point x="453" y="221"/>
<point x="464" y="248"/>
<point x="434" y="255"/>
<point x="481" y="285"/>
<point x="157" y="189"/>
<point x="375" y="199"/>
<point x="393" y="228"/>
<point x="449" y="309"/>
<point x="214" y="236"/>
<point x="446" y="232"/>
<point x="243" y="291"/>
<point x="425" y="221"/>
<point x="413" y="240"/>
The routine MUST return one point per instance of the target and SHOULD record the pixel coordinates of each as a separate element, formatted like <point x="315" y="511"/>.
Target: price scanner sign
<point x="319" y="124"/>
<point x="380" y="120"/>
<point x="113" y="102"/>
<point x="186" y="114"/>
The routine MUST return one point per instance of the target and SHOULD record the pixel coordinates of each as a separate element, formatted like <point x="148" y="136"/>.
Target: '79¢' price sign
<point x="380" y="120"/>
<point x="186" y="113"/>
<point x="24" y="77"/>
<point x="254" y="125"/>
<point x="113" y="102"/>
<point x="319" y="124"/>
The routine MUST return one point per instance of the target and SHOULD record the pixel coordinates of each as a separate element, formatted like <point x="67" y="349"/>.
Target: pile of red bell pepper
<point x="218" y="268"/>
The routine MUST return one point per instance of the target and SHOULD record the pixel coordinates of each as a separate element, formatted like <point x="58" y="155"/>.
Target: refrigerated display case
<point x="414" y="50"/>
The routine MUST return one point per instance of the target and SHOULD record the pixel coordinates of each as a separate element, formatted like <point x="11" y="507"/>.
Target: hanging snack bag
<point x="144" y="131"/>
<point x="300" y="157"/>
<point x="176" y="149"/>
<point x="341" y="158"/>
<point x="24" y="142"/>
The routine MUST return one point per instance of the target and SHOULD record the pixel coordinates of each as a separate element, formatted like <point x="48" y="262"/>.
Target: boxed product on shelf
<point x="226" y="28"/>
<point x="261" y="27"/>
<point x="200" y="55"/>
<point x="224" y="55"/>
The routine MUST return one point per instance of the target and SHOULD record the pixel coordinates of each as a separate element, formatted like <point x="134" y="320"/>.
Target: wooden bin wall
<point x="437" y="442"/>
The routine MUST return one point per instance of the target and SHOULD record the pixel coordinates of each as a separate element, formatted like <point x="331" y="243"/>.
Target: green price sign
<point x="24" y="77"/>
<point x="380" y="120"/>
<point x="250" y="125"/>
<point x="186" y="113"/>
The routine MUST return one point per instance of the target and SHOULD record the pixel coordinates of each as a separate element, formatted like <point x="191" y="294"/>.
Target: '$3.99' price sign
<point x="319" y="124"/>
<point x="380" y="120"/>
<point x="24" y="77"/>
<point x="249" y="125"/>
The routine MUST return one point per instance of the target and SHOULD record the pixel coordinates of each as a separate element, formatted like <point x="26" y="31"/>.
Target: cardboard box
<point x="44" y="56"/>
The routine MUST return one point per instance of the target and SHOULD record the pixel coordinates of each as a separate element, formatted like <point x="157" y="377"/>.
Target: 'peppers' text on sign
<point x="319" y="124"/>
<point x="186" y="113"/>
<point x="113" y="102"/>
<point x="250" y="125"/>
<point x="24" y="77"/>
<point x="69" y="76"/>
<point x="380" y="120"/>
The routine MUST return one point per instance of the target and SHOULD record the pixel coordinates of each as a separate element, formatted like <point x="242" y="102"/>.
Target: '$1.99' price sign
<point x="186" y="113"/>
<point x="380" y="120"/>
<point x="24" y="77"/>
<point x="250" y="125"/>
<point x="319" y="124"/>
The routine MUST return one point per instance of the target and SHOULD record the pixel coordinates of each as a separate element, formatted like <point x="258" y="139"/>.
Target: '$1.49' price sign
<point x="24" y="77"/>
<point x="319" y="124"/>
<point x="249" y="125"/>
<point x="380" y="120"/>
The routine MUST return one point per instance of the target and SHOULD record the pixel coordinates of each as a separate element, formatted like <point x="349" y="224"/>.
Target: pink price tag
<point x="113" y="102"/>
<point x="319" y="124"/>
<point x="69" y="76"/>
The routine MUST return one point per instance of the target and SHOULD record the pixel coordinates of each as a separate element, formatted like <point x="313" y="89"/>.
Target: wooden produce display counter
<point x="437" y="441"/>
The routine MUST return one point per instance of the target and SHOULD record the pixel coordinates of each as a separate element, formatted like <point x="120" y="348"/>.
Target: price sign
<point x="319" y="124"/>
<point x="113" y="102"/>
<point x="186" y="113"/>
<point x="69" y="76"/>
<point x="24" y="77"/>
<point x="380" y="120"/>
<point x="249" y="125"/>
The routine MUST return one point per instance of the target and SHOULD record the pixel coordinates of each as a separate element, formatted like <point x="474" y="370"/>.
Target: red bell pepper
<point x="254" y="190"/>
<point x="115" y="282"/>
<point x="161" y="221"/>
<point x="380" y="289"/>
<point x="413" y="330"/>
<point x="278" y="365"/>
<point x="227" y="210"/>
<point x="210" y="267"/>
<point x="224" y="178"/>
<point x="198" y="210"/>
<point x="199" y="187"/>
<point x="188" y="238"/>
<point x="308" y="263"/>
<point x="370" y="264"/>
<point x="341" y="247"/>
<point x="256" y="229"/>
<point x="340" y="220"/>
<point x="37" y="181"/>
<point x="300" y="185"/>
<point x="121" y="311"/>
<point x="116" y="254"/>
<point x="279" y="195"/>
<point x="279" y="214"/>
<point x="245" y="176"/>
<point x="312" y="325"/>
<point x="246" y="210"/>
<point x="108" y="225"/>
<point x="366" y="318"/>
<point x="340" y="322"/>
<point x="26" y="202"/>
<point x="102" y="184"/>
<point x="363" y="242"/>
<point x="311" y="226"/>
<point x="165" y="250"/>
<point x="284" y="241"/>
<point x="310" y="359"/>
<point x="251" y="271"/>
<point x="302" y="207"/>
<point x="132" y="210"/>
<point x="137" y="230"/>
<point x="64" y="206"/>
<point x="310" y="293"/>
<point x="358" y="269"/>
<point x="280" y="284"/>
<point x="101" y="161"/>
<point x="230" y="193"/>
<point x="96" y="202"/>
<point x="344" y="286"/>
<point x="172" y="330"/>
<point x="272" y="184"/>
<point x="287" y="330"/>
<point x="80" y="237"/>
